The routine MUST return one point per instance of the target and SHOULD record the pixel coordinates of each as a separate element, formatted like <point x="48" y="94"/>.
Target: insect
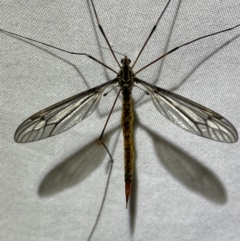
<point x="185" y="113"/>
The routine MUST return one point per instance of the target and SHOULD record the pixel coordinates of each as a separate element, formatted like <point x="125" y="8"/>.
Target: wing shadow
<point x="75" y="168"/>
<point x="187" y="170"/>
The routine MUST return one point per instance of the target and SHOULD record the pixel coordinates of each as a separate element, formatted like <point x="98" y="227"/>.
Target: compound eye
<point x="125" y="61"/>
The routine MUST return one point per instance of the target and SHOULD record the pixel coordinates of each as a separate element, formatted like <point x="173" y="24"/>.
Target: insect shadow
<point x="187" y="169"/>
<point x="79" y="166"/>
<point x="75" y="168"/>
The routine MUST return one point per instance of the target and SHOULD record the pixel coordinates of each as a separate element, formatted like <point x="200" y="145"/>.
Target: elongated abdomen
<point x="127" y="127"/>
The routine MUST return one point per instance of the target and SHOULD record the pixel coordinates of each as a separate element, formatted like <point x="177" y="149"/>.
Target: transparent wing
<point x="60" y="116"/>
<point x="191" y="116"/>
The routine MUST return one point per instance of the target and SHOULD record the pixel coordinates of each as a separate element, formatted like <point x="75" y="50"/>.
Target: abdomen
<point x="127" y="127"/>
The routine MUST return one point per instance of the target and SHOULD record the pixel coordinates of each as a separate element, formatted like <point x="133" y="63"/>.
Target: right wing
<point x="60" y="116"/>
<point x="191" y="116"/>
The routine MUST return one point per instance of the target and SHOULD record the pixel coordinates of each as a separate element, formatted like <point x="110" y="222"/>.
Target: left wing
<point x="60" y="116"/>
<point x="191" y="116"/>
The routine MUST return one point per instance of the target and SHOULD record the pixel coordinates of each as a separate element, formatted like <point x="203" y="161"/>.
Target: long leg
<point x="152" y="31"/>
<point x="103" y="33"/>
<point x="109" y="115"/>
<point x="182" y="45"/>
<point x="105" y="192"/>
<point x="110" y="169"/>
<point x="60" y="49"/>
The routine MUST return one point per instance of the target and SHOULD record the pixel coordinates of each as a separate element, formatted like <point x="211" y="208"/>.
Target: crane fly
<point x="183" y="112"/>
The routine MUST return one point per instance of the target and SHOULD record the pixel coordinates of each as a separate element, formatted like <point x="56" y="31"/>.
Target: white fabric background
<point x="186" y="187"/>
